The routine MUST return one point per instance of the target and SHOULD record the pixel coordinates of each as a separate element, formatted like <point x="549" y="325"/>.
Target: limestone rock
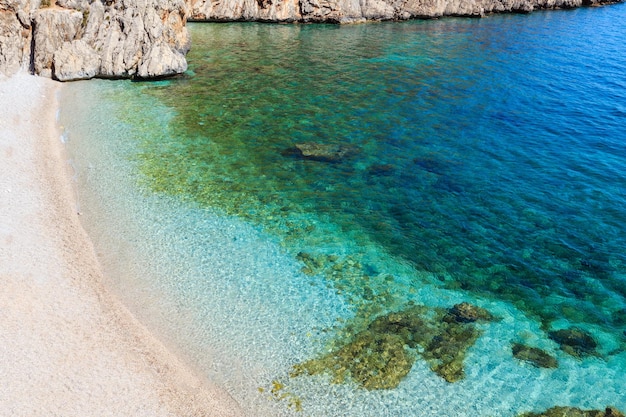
<point x="77" y="39"/>
<point x="130" y="34"/>
<point x="15" y="36"/>
<point x="161" y="61"/>
<point x="148" y="38"/>
<point x="75" y="61"/>
<point x="353" y="11"/>
<point x="52" y="28"/>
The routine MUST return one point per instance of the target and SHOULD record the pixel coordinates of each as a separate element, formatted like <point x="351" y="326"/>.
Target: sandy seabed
<point x="67" y="346"/>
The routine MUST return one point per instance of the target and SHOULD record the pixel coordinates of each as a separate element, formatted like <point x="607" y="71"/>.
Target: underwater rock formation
<point x="323" y="152"/>
<point x="574" y="341"/>
<point x="381" y="355"/>
<point x="576" y="412"/>
<point x="350" y="11"/>
<point x="468" y="313"/>
<point x="79" y="39"/>
<point x="534" y="356"/>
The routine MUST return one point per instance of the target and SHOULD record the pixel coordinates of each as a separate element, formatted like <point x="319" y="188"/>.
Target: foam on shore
<point x="67" y="346"/>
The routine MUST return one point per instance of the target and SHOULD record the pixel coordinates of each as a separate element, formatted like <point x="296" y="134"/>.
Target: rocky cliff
<point x="80" y="39"/>
<point x="350" y="11"/>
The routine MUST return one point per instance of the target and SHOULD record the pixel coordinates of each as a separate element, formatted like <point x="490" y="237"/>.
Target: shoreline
<point x="69" y="347"/>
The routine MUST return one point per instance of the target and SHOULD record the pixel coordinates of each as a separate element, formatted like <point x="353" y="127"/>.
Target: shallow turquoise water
<point x="489" y="169"/>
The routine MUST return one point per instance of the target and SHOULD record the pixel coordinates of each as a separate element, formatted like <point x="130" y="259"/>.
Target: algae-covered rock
<point x="325" y="152"/>
<point x="446" y="351"/>
<point x="469" y="313"/>
<point x="534" y="356"/>
<point x="574" y="341"/>
<point x="575" y="412"/>
<point x="380" y="170"/>
<point x="408" y="324"/>
<point x="373" y="360"/>
<point x="380" y="356"/>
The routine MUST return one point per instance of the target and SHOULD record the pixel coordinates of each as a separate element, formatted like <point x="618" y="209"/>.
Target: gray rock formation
<point x="15" y="30"/>
<point x="52" y="29"/>
<point x="76" y="60"/>
<point x="352" y="11"/>
<point x="81" y="39"/>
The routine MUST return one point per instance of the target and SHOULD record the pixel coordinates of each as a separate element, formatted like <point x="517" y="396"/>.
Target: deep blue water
<point x="491" y="151"/>
<point x="488" y="163"/>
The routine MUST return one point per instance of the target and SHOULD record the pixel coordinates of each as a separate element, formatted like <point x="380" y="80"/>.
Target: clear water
<point x="489" y="169"/>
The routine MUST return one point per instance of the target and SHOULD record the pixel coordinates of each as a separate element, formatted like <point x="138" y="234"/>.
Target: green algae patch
<point x="575" y="412"/>
<point x="374" y="361"/>
<point x="278" y="393"/>
<point x="380" y="356"/>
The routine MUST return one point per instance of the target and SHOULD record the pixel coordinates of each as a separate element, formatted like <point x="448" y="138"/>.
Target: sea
<point x="386" y="219"/>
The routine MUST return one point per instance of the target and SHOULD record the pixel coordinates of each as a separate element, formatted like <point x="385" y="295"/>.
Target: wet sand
<point x="67" y="346"/>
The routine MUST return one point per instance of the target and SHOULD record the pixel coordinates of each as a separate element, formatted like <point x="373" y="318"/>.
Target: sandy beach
<point x="67" y="346"/>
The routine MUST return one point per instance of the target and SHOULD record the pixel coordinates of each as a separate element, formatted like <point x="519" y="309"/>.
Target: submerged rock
<point x="575" y="412"/>
<point x="380" y="356"/>
<point x="468" y="313"/>
<point x="432" y="164"/>
<point x="380" y="170"/>
<point x="534" y="356"/>
<point x="574" y="341"/>
<point x="619" y="317"/>
<point x="373" y="360"/>
<point x="446" y="351"/>
<point x="325" y="152"/>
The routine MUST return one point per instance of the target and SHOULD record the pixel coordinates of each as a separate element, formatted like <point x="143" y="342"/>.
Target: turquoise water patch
<point x="457" y="160"/>
<point x="465" y="167"/>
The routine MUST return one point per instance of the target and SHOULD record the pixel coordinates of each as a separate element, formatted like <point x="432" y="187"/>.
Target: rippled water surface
<point x="481" y="161"/>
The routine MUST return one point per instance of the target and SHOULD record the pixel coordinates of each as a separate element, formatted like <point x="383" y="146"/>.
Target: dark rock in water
<point x="468" y="313"/>
<point x="324" y="152"/>
<point x="619" y="317"/>
<point x="575" y="412"/>
<point x="444" y="183"/>
<point x="600" y="268"/>
<point x="379" y="170"/>
<point x="375" y="361"/>
<point x="381" y="355"/>
<point x="574" y="341"/>
<point x="407" y="324"/>
<point x="431" y="164"/>
<point x="376" y="358"/>
<point x="446" y="351"/>
<point x="534" y="356"/>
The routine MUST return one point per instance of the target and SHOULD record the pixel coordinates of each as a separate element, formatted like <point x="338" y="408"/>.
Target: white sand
<point x="67" y="347"/>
